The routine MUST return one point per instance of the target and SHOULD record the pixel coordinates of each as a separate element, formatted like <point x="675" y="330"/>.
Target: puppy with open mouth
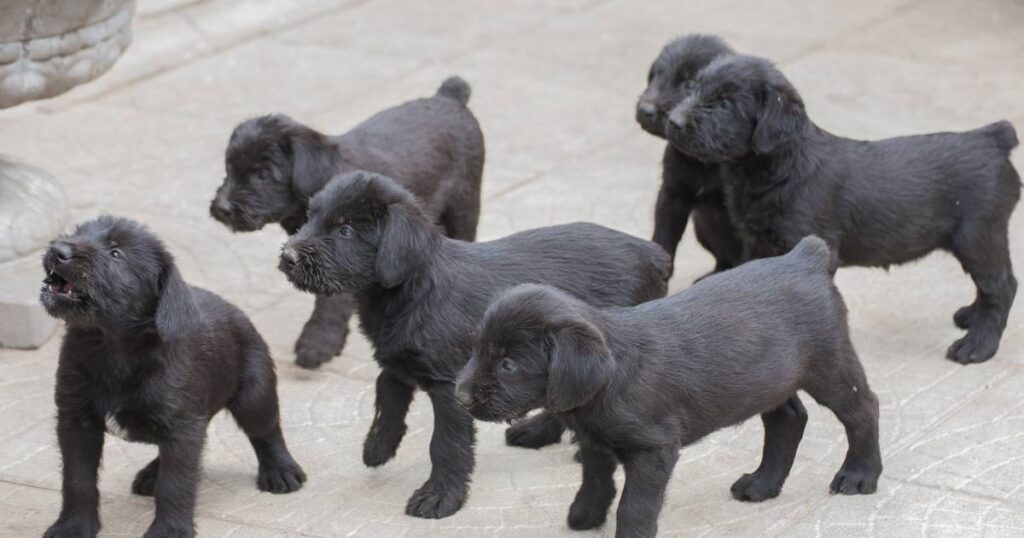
<point x="151" y="359"/>
<point x="420" y="295"/>
<point x="636" y="384"/>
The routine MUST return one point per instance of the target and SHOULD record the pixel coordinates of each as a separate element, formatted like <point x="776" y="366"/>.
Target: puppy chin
<point x="654" y="126"/>
<point x="683" y="143"/>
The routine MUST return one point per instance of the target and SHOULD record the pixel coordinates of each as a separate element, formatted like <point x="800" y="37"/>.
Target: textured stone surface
<point x="553" y="86"/>
<point x="48" y="47"/>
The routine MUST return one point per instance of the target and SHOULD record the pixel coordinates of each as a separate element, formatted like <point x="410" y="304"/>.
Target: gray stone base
<point x="23" y="322"/>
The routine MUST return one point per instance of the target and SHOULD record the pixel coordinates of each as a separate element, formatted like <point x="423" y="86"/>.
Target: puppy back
<point x="456" y="88"/>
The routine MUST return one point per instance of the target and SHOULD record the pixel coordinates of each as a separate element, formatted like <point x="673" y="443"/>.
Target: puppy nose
<point x="646" y="108"/>
<point x="463" y="395"/>
<point x="62" y="250"/>
<point x="221" y="207"/>
<point x="677" y="119"/>
<point x="289" y="257"/>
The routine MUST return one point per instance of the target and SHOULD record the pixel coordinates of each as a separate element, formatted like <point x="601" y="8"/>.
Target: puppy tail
<point x="817" y="249"/>
<point x="456" y="88"/>
<point x="1003" y="133"/>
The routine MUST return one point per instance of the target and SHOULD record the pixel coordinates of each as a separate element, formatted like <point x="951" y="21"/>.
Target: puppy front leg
<point x="451" y="458"/>
<point x="537" y="431"/>
<point x="647" y="475"/>
<point x="670" y="215"/>
<point x="392" y="404"/>
<point x="177" y="481"/>
<point x="81" y="447"/>
<point x="324" y="334"/>
<point x="590" y="508"/>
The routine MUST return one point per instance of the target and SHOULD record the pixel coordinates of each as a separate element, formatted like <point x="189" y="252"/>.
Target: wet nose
<point x="62" y="250"/>
<point x="463" y="395"/>
<point x="221" y="207"/>
<point x="289" y="257"/>
<point x="646" y="109"/>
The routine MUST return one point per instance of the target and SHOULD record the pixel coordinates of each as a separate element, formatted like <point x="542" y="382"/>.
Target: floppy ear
<point x="781" y="121"/>
<point x="314" y="161"/>
<point x="579" y="365"/>
<point x="176" y="309"/>
<point x="404" y="245"/>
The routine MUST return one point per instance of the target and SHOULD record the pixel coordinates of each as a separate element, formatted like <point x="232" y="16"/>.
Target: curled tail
<point x="1003" y="133"/>
<point x="455" y="88"/>
<point x="816" y="247"/>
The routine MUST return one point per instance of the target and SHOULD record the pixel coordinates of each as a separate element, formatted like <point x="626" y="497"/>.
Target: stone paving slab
<point x="553" y="86"/>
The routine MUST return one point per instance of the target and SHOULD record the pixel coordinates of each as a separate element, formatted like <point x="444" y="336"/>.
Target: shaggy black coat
<point x="688" y="186"/>
<point x="151" y="359"/>
<point x="432" y="146"/>
<point x="636" y="384"/>
<point x="421" y="294"/>
<point x="878" y="203"/>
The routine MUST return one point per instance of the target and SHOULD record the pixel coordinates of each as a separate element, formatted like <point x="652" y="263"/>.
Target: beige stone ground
<point x="553" y="85"/>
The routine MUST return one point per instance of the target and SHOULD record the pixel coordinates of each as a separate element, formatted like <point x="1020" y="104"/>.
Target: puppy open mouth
<point x="60" y="287"/>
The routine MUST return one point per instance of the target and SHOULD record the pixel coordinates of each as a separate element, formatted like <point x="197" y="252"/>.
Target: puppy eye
<point x="346" y="230"/>
<point x="116" y="254"/>
<point x="689" y="85"/>
<point x="508" y="366"/>
<point x="264" y="175"/>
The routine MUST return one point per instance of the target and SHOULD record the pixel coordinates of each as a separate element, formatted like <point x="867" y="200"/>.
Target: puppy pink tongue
<point x="67" y="288"/>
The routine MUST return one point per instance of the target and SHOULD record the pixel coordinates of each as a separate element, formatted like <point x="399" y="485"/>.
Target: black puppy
<point x="688" y="186"/>
<point x="274" y="164"/>
<point x="880" y="203"/>
<point x="421" y="294"/>
<point x="637" y="384"/>
<point x="152" y="359"/>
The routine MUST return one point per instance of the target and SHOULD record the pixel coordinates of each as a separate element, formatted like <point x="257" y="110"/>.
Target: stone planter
<point x="47" y="47"/>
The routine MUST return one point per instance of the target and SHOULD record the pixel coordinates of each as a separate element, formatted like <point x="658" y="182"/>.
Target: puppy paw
<point x="977" y="346"/>
<point x="73" y="528"/>
<point x="964" y="317"/>
<point x="280" y="477"/>
<point x="588" y="512"/>
<point x="856" y="479"/>
<point x="536" y="432"/>
<point x="318" y="344"/>
<point x="756" y="487"/>
<point x="435" y="501"/>
<point x="145" y="480"/>
<point x="379" y="448"/>
<point x="171" y="530"/>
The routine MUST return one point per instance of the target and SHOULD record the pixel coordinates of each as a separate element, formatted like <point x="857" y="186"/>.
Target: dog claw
<point x="535" y="432"/>
<point x="433" y="501"/>
<point x="73" y="528"/>
<point x="281" y="478"/>
<point x="855" y="481"/>
<point x="319" y="344"/>
<point x="973" y="348"/>
<point x="756" y="487"/>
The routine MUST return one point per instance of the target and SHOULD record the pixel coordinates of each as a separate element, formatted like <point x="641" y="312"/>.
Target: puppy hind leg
<point x="590" y="507"/>
<point x="255" y="409"/>
<point x="984" y="254"/>
<point x="841" y="386"/>
<point x="145" y="479"/>
<point x="325" y="332"/>
<point x="783" y="430"/>
<point x="391" y="405"/>
<point x="451" y="458"/>
<point x="537" y="431"/>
